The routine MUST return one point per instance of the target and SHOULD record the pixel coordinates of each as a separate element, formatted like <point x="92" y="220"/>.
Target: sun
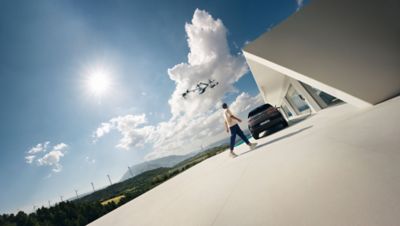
<point x="98" y="82"/>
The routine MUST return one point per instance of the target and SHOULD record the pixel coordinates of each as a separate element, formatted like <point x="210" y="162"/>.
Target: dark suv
<point x="265" y="118"/>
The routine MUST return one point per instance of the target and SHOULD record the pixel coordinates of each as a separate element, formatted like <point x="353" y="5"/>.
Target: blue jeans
<point x="236" y="130"/>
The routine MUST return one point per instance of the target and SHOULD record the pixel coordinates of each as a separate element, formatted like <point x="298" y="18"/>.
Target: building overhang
<point x="337" y="46"/>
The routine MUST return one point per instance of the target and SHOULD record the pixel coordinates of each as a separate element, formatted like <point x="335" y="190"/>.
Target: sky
<point x="88" y="88"/>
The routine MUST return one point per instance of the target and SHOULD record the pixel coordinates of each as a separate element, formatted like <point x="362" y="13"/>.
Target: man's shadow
<point x="278" y="139"/>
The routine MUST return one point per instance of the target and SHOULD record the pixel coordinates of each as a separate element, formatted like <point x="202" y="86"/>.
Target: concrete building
<point x="328" y="51"/>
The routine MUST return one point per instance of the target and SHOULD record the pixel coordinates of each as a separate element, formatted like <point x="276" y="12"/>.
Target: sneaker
<point x="252" y="146"/>
<point x="233" y="155"/>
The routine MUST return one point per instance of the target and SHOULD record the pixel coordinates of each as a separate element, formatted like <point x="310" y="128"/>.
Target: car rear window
<point x="259" y="110"/>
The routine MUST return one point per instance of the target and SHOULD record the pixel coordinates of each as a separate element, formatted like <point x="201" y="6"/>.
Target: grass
<point x="115" y="199"/>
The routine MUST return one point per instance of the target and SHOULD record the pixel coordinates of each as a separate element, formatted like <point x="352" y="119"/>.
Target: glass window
<point x="287" y="111"/>
<point x="296" y="100"/>
<point x="321" y="96"/>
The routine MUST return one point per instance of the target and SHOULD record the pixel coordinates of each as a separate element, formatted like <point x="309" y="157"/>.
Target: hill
<point x="165" y="162"/>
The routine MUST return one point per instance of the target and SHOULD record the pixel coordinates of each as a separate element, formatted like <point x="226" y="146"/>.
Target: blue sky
<point x="48" y="48"/>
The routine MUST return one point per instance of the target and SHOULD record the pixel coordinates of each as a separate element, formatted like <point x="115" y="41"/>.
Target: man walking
<point x="231" y="124"/>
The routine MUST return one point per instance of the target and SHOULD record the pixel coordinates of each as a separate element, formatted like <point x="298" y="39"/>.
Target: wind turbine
<point x="76" y="192"/>
<point x="109" y="179"/>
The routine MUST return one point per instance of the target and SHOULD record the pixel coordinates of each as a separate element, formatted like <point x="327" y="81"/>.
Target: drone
<point x="201" y="87"/>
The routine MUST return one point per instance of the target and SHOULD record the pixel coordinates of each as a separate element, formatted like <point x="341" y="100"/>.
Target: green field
<point x="115" y="200"/>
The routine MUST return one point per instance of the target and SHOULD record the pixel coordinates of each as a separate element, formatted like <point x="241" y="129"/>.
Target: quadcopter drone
<point x="201" y="87"/>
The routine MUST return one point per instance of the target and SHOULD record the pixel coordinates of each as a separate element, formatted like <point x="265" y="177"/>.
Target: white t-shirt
<point x="229" y="119"/>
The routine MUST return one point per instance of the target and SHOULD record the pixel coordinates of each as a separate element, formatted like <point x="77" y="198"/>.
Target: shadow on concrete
<point x="279" y="138"/>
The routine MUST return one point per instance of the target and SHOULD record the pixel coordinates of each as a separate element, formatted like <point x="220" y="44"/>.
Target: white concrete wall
<point x="348" y="49"/>
<point x="272" y="84"/>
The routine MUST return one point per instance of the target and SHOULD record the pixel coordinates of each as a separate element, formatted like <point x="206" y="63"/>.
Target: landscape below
<point x="92" y="206"/>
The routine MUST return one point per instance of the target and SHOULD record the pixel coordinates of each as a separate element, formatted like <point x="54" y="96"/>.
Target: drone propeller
<point x="212" y="85"/>
<point x="185" y="93"/>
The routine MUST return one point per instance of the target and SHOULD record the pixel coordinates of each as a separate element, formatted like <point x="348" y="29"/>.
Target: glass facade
<point x="297" y="101"/>
<point x="321" y="96"/>
<point x="286" y="110"/>
<point x="296" y="104"/>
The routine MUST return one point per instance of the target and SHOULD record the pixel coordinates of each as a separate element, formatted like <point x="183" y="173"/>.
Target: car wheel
<point x="255" y="135"/>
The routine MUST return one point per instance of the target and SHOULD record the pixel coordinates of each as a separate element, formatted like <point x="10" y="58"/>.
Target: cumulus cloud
<point x="197" y="117"/>
<point x="129" y="127"/>
<point x="244" y="103"/>
<point x="209" y="58"/>
<point x="29" y="159"/>
<point x="60" y="147"/>
<point x="299" y="4"/>
<point x="41" y="147"/>
<point x="51" y="157"/>
<point x="104" y="128"/>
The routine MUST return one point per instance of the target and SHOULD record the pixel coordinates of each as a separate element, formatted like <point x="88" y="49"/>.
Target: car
<point x="265" y="118"/>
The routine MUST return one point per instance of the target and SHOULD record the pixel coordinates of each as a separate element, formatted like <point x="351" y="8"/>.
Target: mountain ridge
<point x="168" y="161"/>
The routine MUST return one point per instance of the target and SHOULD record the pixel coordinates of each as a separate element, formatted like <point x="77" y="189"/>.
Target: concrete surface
<point x="338" y="167"/>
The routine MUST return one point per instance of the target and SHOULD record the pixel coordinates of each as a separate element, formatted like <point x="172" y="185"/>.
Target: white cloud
<point x="123" y="123"/>
<point x="134" y="137"/>
<point x="209" y="58"/>
<point x="41" y="147"/>
<point x="128" y="127"/>
<point x="29" y="159"/>
<point x="299" y="4"/>
<point x="197" y="117"/>
<point x="51" y="158"/>
<point x="60" y="147"/>
<point x="104" y="128"/>
<point x="244" y="103"/>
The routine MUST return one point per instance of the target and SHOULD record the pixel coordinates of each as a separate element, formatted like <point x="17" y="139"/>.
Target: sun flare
<point x="98" y="82"/>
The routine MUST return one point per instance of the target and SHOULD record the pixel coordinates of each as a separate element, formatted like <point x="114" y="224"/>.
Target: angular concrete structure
<point x="348" y="49"/>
